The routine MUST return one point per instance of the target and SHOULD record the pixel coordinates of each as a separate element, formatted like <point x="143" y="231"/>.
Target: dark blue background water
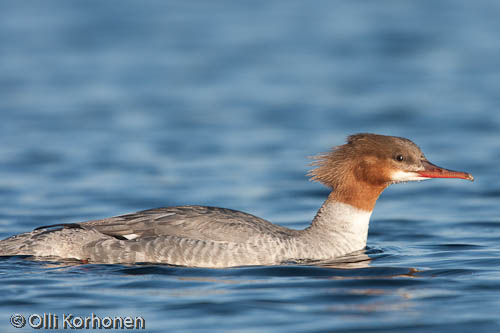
<point x="108" y="107"/>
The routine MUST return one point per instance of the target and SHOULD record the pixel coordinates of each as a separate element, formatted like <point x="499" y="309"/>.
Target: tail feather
<point x="61" y="242"/>
<point x="21" y="244"/>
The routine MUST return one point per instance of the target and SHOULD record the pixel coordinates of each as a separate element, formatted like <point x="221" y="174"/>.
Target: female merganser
<point x="199" y="236"/>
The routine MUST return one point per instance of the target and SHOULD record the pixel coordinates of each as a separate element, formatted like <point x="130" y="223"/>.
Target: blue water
<point x="109" y="107"/>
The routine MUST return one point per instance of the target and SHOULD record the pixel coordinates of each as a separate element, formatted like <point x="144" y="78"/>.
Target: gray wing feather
<point x="192" y="222"/>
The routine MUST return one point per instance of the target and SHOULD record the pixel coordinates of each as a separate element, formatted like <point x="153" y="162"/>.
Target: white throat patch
<point x="405" y="176"/>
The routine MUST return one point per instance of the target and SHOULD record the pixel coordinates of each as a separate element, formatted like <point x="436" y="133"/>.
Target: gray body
<point x="186" y="235"/>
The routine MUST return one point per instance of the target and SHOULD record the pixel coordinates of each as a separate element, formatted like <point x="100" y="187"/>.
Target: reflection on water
<point x="357" y="259"/>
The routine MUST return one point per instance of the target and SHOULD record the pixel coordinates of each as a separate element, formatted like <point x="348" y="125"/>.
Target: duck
<point x="356" y="173"/>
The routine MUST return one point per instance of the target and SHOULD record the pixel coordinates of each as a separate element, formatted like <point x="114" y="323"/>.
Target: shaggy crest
<point x="331" y="168"/>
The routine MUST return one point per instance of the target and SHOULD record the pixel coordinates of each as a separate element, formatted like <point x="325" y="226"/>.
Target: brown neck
<point x="363" y="196"/>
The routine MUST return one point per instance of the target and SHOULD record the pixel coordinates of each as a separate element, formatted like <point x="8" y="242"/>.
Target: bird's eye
<point x="399" y="158"/>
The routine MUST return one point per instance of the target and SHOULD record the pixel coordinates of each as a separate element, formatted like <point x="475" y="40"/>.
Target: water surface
<point x="112" y="107"/>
